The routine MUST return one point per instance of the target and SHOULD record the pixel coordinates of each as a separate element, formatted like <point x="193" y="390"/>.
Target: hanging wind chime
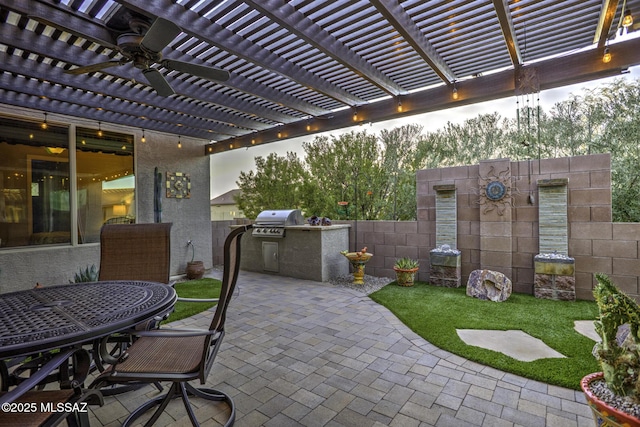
<point x="527" y="91"/>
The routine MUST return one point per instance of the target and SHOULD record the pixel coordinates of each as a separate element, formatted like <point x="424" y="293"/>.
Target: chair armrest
<point x="198" y="299"/>
<point x="171" y="333"/>
<point x="38" y="376"/>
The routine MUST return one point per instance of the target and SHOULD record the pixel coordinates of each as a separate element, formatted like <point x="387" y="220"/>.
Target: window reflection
<point x="35" y="174"/>
<point x="106" y="181"/>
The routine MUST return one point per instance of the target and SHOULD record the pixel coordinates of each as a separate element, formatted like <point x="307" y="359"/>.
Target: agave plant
<point x="88" y="274"/>
<point x="406" y="264"/>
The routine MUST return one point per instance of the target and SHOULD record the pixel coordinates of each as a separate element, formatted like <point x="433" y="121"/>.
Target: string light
<point x="399" y="107"/>
<point x="179" y="142"/>
<point x="627" y="19"/>
<point x="606" y="58"/>
<point x="454" y="93"/>
<point x="355" y="114"/>
<point x="99" y="129"/>
<point x="143" y="139"/>
<point x="44" y="124"/>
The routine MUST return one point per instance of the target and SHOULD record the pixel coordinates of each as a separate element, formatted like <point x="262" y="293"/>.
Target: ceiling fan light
<point x="627" y="19"/>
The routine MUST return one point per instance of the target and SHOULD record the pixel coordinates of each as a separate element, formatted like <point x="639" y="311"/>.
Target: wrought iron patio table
<point x="53" y="317"/>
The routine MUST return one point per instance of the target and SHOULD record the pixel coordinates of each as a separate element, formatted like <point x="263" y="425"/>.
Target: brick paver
<point x="302" y="353"/>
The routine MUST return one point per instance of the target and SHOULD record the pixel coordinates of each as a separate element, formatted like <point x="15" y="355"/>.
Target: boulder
<point x="488" y="285"/>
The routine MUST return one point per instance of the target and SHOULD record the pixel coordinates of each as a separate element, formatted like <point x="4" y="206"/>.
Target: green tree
<point x="277" y="183"/>
<point x="376" y="174"/>
<point x="399" y="165"/>
<point x="346" y="168"/>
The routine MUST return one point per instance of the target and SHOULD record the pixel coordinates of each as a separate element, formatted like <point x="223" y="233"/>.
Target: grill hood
<point x="279" y="218"/>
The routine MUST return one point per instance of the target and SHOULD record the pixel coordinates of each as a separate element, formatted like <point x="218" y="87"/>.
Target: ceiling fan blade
<point x="160" y="35"/>
<point x="93" y="67"/>
<point x="158" y="82"/>
<point x="210" y="73"/>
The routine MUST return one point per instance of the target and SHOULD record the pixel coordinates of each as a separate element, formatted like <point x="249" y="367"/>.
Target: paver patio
<point x="302" y="353"/>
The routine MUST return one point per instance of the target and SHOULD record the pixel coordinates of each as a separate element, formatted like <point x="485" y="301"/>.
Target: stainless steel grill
<point x="272" y="223"/>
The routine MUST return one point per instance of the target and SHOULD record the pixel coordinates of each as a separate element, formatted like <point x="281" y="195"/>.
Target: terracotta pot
<point x="405" y="277"/>
<point x="195" y="270"/>
<point x="603" y="414"/>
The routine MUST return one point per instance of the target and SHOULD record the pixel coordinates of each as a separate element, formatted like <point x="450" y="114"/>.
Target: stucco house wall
<point x="22" y="268"/>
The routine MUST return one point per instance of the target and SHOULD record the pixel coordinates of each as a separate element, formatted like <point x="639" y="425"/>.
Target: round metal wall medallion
<point x="495" y="190"/>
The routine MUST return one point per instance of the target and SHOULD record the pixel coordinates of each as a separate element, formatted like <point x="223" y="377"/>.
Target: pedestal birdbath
<point x="358" y="261"/>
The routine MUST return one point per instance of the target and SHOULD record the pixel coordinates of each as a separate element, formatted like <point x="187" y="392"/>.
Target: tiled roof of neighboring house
<point x="226" y="198"/>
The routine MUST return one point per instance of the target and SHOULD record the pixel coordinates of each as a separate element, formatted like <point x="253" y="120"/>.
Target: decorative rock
<point x="488" y="285"/>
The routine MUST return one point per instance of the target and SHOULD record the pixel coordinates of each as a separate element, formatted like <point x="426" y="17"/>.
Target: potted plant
<point x="195" y="269"/>
<point x="614" y="393"/>
<point x="406" y="269"/>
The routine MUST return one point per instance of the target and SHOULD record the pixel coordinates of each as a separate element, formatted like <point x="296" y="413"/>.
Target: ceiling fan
<point x="142" y="47"/>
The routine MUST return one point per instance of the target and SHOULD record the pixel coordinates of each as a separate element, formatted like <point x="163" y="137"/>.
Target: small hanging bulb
<point x="308" y="127"/>
<point x="44" y="124"/>
<point x="399" y="108"/>
<point x="179" y="142"/>
<point x="143" y="139"/>
<point x="99" y="129"/>
<point x="454" y="94"/>
<point x="606" y="58"/>
<point x="627" y="19"/>
<point x="355" y="114"/>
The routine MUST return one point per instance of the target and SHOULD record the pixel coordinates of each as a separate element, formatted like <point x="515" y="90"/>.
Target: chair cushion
<point x="176" y="355"/>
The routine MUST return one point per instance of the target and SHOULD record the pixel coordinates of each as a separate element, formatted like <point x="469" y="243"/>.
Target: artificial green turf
<point x="435" y="313"/>
<point x="199" y="288"/>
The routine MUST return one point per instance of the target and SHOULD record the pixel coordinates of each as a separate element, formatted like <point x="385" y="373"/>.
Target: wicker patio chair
<point x="131" y="252"/>
<point x="180" y="355"/>
<point x="66" y="404"/>
<point x="135" y="252"/>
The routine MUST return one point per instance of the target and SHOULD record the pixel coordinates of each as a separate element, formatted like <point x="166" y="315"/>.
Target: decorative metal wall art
<point x="178" y="185"/>
<point x="496" y="191"/>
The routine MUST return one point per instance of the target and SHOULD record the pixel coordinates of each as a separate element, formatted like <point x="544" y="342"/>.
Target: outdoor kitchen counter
<point x="305" y="252"/>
